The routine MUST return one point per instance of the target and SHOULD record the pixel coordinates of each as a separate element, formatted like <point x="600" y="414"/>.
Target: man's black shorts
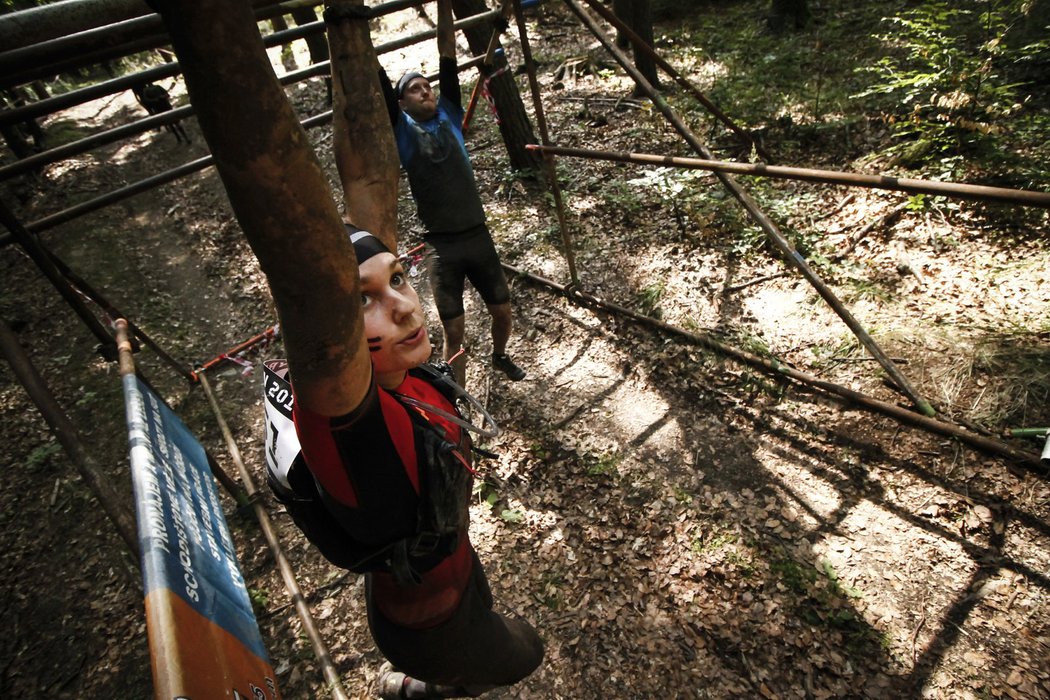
<point x="455" y="257"/>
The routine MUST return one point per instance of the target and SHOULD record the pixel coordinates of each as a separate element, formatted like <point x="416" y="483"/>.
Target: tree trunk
<point x="287" y="53"/>
<point x="514" y="123"/>
<point x="39" y="89"/>
<point x="638" y="15"/>
<point x="623" y="10"/>
<point x="17" y="135"/>
<point x="787" y="14"/>
<point x="365" y="153"/>
<point x="315" y="42"/>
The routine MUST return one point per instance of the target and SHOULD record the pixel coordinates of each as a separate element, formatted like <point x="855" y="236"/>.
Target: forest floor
<point x="673" y="522"/>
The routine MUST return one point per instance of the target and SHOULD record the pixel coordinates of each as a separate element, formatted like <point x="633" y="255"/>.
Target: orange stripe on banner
<point x="192" y="657"/>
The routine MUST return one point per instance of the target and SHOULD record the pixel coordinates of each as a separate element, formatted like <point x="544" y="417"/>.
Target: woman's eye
<point x="365" y="299"/>
<point x="398" y="279"/>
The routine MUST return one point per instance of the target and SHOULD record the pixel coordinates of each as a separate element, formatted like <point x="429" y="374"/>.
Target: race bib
<point x="282" y="442"/>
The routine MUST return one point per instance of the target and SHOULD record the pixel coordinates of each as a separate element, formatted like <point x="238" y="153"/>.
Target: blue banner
<point x="200" y="621"/>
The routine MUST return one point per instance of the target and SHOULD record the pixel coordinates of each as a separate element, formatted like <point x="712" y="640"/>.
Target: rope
<point x="337" y="14"/>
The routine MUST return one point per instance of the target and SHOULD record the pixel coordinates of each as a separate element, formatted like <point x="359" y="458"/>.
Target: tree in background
<point x="514" y="125"/>
<point x="638" y="15"/>
<point x="787" y="14"/>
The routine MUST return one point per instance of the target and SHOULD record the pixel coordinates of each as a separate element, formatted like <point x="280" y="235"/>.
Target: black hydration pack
<point x="445" y="482"/>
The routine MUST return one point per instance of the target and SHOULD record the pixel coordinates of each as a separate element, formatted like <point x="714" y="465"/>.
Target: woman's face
<point x="394" y="323"/>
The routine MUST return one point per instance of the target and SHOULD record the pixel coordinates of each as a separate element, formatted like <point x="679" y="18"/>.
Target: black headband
<point x="365" y="244"/>
<point x="405" y="80"/>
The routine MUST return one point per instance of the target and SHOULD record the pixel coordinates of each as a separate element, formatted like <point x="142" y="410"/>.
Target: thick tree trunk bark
<point x="514" y="121"/>
<point x="365" y="153"/>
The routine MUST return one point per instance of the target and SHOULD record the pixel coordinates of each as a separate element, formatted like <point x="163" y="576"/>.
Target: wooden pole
<point x="36" y="253"/>
<point x="1030" y="198"/>
<point x="773" y="367"/>
<point x="773" y="235"/>
<point x="328" y="669"/>
<point x="114" y="313"/>
<point x="644" y="47"/>
<point x="548" y="162"/>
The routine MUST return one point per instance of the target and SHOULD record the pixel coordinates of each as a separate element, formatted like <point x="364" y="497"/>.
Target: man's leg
<point x="501" y="326"/>
<point x="454" y="330"/>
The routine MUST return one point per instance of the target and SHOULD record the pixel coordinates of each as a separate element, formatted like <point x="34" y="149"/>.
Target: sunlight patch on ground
<point x="127" y="150"/>
<point x="864" y="559"/>
<point x="710" y="71"/>
<point x="785" y="315"/>
<point x="857" y="546"/>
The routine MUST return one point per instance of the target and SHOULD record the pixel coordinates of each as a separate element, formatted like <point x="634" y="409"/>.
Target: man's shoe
<point x="391" y="683"/>
<point x="503" y="363"/>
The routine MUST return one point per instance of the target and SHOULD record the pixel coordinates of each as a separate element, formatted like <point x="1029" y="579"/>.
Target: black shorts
<point x="475" y="647"/>
<point x="455" y="257"/>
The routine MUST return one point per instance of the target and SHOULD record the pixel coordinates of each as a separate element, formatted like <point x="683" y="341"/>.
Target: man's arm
<point x="448" y="73"/>
<point x="281" y="198"/>
<point x="390" y="95"/>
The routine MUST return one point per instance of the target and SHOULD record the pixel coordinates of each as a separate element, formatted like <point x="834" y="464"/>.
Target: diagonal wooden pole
<point x="773" y="234"/>
<point x="548" y="161"/>
<point x="328" y="669"/>
<point x="115" y="506"/>
<point x="643" y="46"/>
<point x="779" y="369"/>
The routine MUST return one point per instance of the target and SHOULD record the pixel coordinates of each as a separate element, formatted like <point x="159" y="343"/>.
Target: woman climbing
<point x="383" y="484"/>
<point x="383" y="488"/>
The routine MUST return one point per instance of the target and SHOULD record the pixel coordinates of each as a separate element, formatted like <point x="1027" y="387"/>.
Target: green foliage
<point x="866" y="289"/>
<point x="487" y="492"/>
<point x="260" y="598"/>
<point x="606" y="465"/>
<point x="511" y="515"/>
<point x="948" y="76"/>
<point x="550" y="596"/>
<point x="824" y="600"/>
<point x="619" y="195"/>
<point x="714" y="543"/>
<point x="649" y="299"/>
<point x="40" y="455"/>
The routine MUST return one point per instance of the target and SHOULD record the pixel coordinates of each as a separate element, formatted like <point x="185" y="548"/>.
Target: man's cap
<point x="405" y="80"/>
<point x="365" y="244"/>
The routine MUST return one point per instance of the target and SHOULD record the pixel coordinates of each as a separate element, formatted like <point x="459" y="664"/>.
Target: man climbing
<point x="430" y="145"/>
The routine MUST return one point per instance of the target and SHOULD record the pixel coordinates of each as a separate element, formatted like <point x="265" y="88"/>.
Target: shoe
<point x="503" y="363"/>
<point x="391" y="683"/>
